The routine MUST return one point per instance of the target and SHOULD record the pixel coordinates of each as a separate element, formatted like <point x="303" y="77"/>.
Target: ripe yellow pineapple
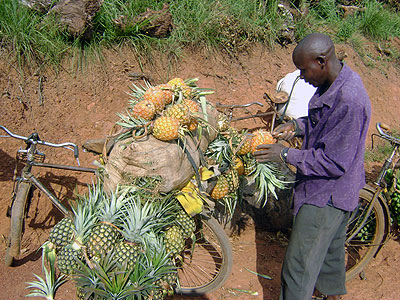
<point x="221" y="189"/>
<point x="179" y="85"/>
<point x="245" y="147"/>
<point x="192" y="105"/>
<point x="144" y="109"/>
<point x="261" y="137"/>
<point x="166" y="128"/>
<point x="179" y="111"/>
<point x="156" y="96"/>
<point x="238" y="165"/>
<point x="168" y="93"/>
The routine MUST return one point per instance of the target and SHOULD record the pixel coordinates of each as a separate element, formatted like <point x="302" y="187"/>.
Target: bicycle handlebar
<point x="381" y="127"/>
<point x="29" y="140"/>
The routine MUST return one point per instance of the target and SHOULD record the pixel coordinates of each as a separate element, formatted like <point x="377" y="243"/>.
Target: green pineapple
<point x="232" y="177"/>
<point x="106" y="233"/>
<point x="61" y="234"/>
<point x="165" y="275"/>
<point x="186" y="222"/>
<point x="250" y="164"/>
<point x="174" y="241"/>
<point x="84" y="220"/>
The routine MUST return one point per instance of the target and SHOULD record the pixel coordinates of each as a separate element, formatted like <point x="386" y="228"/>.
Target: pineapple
<point x="223" y="123"/>
<point x="157" y="96"/>
<point x="165" y="276"/>
<point x="261" y="137"/>
<point x="110" y="280"/>
<point x="174" y="241"/>
<point x="144" y="109"/>
<point x="179" y="111"/>
<point x="250" y="164"/>
<point x="232" y="177"/>
<point x="138" y="228"/>
<point x="168" y="93"/>
<point x="246" y="145"/>
<point x="166" y="128"/>
<point x="179" y="86"/>
<point x="186" y="222"/>
<point x="192" y="105"/>
<point x="192" y="125"/>
<point x="106" y="233"/>
<point x="84" y="220"/>
<point x="221" y="189"/>
<point x="61" y="233"/>
<point x="238" y="165"/>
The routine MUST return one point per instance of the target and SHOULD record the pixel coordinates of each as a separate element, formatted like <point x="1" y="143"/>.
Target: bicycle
<point x="24" y="182"/>
<point x="206" y="263"/>
<point x="369" y="225"/>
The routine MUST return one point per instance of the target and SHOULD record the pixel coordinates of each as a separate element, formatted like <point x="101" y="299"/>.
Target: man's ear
<point x="321" y="60"/>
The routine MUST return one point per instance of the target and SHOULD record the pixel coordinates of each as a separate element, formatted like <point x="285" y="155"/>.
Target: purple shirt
<point x="330" y="165"/>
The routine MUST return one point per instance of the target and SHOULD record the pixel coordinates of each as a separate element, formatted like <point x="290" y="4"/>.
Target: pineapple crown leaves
<point x="48" y="257"/>
<point x="267" y="180"/>
<point x="116" y="285"/>
<point x="45" y="288"/>
<point x="137" y="91"/>
<point x="111" y="209"/>
<point x="159" y="264"/>
<point x="141" y="219"/>
<point x="85" y="219"/>
<point x="86" y="278"/>
<point x="220" y="151"/>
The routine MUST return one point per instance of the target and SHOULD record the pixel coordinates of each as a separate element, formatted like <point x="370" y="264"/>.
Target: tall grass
<point x="32" y="40"/>
<point x="379" y="23"/>
<point x="36" y="39"/>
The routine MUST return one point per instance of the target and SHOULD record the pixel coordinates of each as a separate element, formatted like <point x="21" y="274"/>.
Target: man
<point x="330" y="170"/>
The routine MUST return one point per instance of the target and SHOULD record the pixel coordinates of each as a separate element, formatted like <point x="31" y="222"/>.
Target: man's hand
<point x="268" y="152"/>
<point x="285" y="131"/>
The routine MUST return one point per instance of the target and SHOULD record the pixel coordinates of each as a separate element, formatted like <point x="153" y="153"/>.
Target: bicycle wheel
<point x="17" y="221"/>
<point x="363" y="246"/>
<point x="207" y="259"/>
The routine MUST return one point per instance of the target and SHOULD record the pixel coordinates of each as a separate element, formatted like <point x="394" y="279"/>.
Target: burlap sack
<point x="151" y="157"/>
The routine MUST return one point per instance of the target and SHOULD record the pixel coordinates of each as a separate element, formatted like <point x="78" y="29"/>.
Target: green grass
<point x="35" y="40"/>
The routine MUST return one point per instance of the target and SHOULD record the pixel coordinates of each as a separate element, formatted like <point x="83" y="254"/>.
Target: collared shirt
<point x="330" y="165"/>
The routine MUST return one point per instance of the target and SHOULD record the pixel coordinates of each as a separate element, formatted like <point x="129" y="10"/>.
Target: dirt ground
<point x="77" y="106"/>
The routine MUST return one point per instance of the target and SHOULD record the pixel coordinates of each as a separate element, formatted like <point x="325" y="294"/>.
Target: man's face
<point x="312" y="70"/>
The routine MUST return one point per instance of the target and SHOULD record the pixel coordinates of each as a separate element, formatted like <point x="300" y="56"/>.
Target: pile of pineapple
<point x="123" y="243"/>
<point x="167" y="111"/>
<point x="127" y="244"/>
<point x="233" y="152"/>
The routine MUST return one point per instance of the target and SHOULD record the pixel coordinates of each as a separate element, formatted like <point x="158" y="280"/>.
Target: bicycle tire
<point x="360" y="252"/>
<point x="207" y="263"/>
<point x="17" y="221"/>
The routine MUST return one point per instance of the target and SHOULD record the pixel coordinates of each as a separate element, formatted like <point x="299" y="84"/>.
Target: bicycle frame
<point x="31" y="152"/>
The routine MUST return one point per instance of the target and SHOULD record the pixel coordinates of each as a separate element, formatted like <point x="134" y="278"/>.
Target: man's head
<point x="315" y="57"/>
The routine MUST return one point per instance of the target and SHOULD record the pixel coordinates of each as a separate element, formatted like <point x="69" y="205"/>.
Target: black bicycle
<point x="369" y="226"/>
<point x="206" y="264"/>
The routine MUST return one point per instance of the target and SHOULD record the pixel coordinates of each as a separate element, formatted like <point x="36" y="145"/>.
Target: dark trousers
<point x="315" y="257"/>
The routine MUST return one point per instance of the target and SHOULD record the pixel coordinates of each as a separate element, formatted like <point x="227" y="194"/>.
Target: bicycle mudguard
<point x="386" y="211"/>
